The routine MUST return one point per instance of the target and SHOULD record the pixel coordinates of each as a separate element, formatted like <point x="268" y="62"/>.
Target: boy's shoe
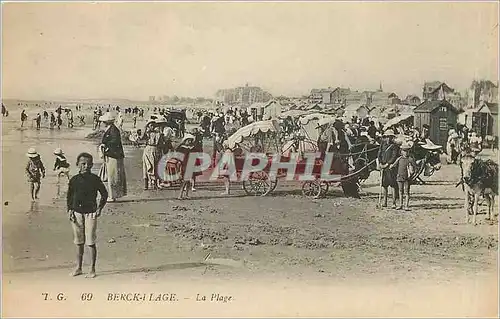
<point x="407" y="209"/>
<point x="399" y="208"/>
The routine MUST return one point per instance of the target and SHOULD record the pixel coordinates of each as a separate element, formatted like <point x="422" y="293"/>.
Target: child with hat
<point x="406" y="166"/>
<point x="61" y="165"/>
<point x="35" y="171"/>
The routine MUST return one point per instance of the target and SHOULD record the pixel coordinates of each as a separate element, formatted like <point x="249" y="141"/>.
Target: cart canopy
<point x="247" y="133"/>
<point x="396" y="120"/>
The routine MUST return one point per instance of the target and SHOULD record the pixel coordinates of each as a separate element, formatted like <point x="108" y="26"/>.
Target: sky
<point x="134" y="50"/>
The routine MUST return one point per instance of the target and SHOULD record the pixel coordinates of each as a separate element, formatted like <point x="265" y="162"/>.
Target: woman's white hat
<point x="389" y="132"/>
<point x="32" y="152"/>
<point x="188" y="137"/>
<point x="58" y="151"/>
<point x="107" y="117"/>
<point x="429" y="145"/>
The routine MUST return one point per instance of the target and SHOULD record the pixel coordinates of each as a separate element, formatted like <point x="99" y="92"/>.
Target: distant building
<point x="356" y="97"/>
<point x="246" y="95"/>
<point x="436" y="91"/>
<point x="482" y="91"/>
<point x="383" y="98"/>
<point x="152" y="98"/>
<point x="358" y="110"/>
<point x="329" y="95"/>
<point x="263" y="111"/>
<point x="412" y="100"/>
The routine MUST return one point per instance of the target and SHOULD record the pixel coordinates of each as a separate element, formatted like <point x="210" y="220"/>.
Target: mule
<point x="479" y="178"/>
<point x="427" y="157"/>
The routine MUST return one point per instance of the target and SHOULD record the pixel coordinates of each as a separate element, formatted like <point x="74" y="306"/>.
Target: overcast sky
<point x="133" y="50"/>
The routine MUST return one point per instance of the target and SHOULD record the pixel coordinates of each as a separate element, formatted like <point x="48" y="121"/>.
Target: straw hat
<point x="389" y="132"/>
<point x="405" y="146"/>
<point x="32" y="152"/>
<point x="58" y="151"/>
<point x="107" y="117"/>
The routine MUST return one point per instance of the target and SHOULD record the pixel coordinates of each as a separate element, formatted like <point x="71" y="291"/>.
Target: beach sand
<point x="276" y="255"/>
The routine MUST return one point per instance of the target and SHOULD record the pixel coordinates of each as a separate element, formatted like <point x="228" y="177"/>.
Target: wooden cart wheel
<point x="258" y="184"/>
<point x="311" y="189"/>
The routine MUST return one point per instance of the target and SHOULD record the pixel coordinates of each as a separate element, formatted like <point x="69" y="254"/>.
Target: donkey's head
<point x="467" y="164"/>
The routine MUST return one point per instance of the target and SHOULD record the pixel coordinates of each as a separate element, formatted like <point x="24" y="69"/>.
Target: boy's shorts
<point x="84" y="229"/>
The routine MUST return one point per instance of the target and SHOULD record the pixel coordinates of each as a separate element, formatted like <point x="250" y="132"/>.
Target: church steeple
<point x="380" y="87"/>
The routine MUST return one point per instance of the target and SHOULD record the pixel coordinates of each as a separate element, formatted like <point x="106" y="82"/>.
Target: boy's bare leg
<point x="93" y="258"/>
<point x="226" y="184"/>
<point x="32" y="190"/>
<point x="394" y="196"/>
<point x="193" y="184"/>
<point x="187" y="189"/>
<point x="183" y="185"/>
<point x="79" y="261"/>
<point x="385" y="197"/>
<point x="407" y="189"/>
<point x="37" y="190"/>
<point x="401" y="194"/>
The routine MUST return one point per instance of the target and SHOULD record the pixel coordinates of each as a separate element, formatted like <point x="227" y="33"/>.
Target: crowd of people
<point x="394" y="158"/>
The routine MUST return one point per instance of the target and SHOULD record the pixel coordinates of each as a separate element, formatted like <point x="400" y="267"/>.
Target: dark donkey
<point x="480" y="178"/>
<point x="427" y="157"/>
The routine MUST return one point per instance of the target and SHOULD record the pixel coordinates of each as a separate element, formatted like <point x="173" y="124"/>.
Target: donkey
<point x="479" y="177"/>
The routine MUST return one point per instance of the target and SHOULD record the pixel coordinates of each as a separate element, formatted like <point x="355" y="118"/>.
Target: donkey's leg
<point x="475" y="208"/>
<point x="466" y="207"/>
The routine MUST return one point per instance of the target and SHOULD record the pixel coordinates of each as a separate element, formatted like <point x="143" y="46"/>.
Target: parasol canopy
<point x="397" y="120"/>
<point x="251" y="130"/>
<point x="293" y="113"/>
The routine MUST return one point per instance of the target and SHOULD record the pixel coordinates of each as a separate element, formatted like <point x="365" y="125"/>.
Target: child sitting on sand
<point x="61" y="166"/>
<point x="83" y="210"/>
<point x="35" y="171"/>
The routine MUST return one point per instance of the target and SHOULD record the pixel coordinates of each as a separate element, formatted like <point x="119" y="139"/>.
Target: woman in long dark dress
<point x="112" y="151"/>
<point x="185" y="147"/>
<point x="197" y="148"/>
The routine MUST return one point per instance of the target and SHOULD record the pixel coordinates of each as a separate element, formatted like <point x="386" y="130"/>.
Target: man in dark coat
<point x="387" y="155"/>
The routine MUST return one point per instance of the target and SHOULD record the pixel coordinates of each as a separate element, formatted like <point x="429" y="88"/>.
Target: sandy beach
<point x="264" y="251"/>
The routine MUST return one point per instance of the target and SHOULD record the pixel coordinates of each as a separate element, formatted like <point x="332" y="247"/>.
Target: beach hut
<point x="439" y="115"/>
<point x="485" y="119"/>
<point x="358" y="110"/>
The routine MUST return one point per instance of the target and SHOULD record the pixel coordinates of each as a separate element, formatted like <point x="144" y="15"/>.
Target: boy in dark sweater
<point x="405" y="166"/>
<point x="83" y="210"/>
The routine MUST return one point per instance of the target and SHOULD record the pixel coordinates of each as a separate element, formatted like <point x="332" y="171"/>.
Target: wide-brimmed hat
<point x="389" y="132"/>
<point x="429" y="145"/>
<point x="453" y="135"/>
<point x="32" y="152"/>
<point x="107" y="117"/>
<point x="405" y="146"/>
<point x="58" y="151"/>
